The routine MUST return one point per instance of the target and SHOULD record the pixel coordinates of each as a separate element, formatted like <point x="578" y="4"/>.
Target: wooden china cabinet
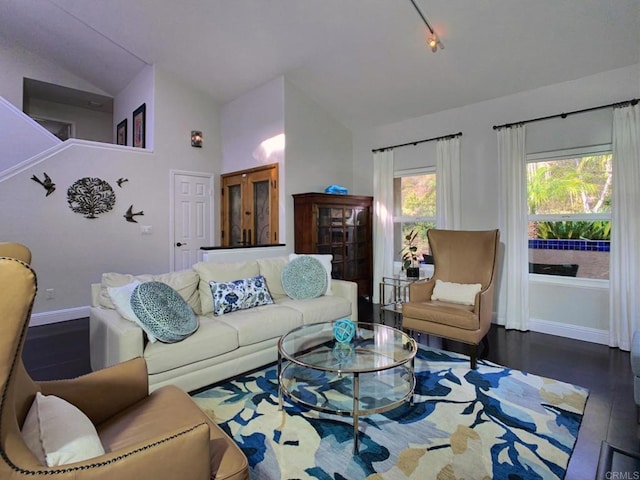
<point x="340" y="225"/>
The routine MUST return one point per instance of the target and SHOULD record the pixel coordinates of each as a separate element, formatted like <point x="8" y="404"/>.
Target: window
<point x="415" y="207"/>
<point x="569" y="199"/>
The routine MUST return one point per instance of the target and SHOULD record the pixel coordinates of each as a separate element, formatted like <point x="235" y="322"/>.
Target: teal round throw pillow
<point x="304" y="277"/>
<point x="163" y="312"/>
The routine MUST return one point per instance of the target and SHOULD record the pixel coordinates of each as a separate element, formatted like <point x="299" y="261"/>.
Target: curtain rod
<point x="443" y="137"/>
<point x="633" y="101"/>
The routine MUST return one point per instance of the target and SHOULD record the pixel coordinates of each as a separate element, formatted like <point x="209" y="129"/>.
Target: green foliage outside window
<point x="416" y="207"/>
<point x="419" y="196"/>
<point x="570" y="186"/>
<point x="598" y="230"/>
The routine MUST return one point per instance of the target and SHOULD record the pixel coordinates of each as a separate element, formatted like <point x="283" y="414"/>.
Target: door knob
<point x="180" y="244"/>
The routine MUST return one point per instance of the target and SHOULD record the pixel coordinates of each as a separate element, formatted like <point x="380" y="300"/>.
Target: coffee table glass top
<point x="371" y="373"/>
<point x="373" y="348"/>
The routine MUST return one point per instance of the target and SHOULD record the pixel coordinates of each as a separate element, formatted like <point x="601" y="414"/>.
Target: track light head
<point x="433" y="42"/>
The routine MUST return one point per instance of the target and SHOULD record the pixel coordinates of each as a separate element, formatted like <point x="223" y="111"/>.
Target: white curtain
<point x="624" y="272"/>
<point x="382" y="219"/>
<point x="448" y="183"/>
<point x="513" y="228"/>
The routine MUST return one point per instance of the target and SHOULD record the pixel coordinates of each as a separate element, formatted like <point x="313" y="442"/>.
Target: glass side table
<point x="394" y="291"/>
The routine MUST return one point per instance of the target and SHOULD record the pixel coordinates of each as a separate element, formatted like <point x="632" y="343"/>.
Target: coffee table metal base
<point x="354" y="410"/>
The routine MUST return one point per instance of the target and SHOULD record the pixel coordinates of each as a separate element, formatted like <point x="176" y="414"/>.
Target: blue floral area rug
<point x="491" y="423"/>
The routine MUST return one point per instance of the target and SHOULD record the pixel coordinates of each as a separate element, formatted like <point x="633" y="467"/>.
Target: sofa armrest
<point x="95" y="294"/>
<point x="102" y="394"/>
<point x="348" y="290"/>
<point x="112" y="339"/>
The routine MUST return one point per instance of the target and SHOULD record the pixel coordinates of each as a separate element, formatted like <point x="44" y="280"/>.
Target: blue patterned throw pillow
<point x="163" y="312"/>
<point x="304" y="277"/>
<point x="239" y="294"/>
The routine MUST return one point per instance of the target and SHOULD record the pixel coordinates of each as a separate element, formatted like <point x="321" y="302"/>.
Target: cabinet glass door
<point x="343" y="232"/>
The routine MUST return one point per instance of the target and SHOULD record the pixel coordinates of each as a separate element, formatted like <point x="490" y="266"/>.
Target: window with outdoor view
<point x="569" y="199"/>
<point x="415" y="209"/>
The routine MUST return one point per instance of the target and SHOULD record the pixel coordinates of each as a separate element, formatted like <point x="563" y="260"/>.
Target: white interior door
<point x="191" y="217"/>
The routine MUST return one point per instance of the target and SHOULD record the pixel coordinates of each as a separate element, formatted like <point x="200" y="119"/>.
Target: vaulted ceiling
<point x="364" y="61"/>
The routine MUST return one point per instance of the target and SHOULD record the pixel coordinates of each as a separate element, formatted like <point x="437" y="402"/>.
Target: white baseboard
<point x="566" y="330"/>
<point x="56" y="316"/>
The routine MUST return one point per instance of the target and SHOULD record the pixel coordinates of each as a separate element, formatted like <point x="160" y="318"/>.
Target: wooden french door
<point x="250" y="207"/>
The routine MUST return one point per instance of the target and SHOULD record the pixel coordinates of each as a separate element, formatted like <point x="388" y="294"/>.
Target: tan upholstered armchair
<point x="454" y="309"/>
<point x="163" y="435"/>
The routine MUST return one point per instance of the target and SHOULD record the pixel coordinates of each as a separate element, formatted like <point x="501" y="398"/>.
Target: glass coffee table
<point x="372" y="373"/>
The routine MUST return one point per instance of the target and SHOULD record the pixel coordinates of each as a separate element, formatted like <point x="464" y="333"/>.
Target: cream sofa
<point x="224" y="345"/>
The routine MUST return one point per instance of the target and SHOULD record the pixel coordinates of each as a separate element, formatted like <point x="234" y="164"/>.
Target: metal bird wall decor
<point x="129" y="216"/>
<point x="121" y="180"/>
<point x="90" y="196"/>
<point x="47" y="183"/>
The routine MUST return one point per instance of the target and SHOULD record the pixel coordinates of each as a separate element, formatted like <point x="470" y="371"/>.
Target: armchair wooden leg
<point x="474" y="356"/>
<point x="485" y="347"/>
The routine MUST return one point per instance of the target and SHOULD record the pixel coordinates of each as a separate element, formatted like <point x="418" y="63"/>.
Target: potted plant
<point x="409" y="255"/>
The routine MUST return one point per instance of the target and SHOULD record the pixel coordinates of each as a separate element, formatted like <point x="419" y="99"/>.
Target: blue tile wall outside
<point x="582" y="245"/>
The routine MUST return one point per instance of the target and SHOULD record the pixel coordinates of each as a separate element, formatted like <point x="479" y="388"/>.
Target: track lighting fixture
<point x="433" y="40"/>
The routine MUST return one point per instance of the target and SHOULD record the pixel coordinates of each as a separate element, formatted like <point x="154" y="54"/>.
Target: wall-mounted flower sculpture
<point x="91" y="196"/>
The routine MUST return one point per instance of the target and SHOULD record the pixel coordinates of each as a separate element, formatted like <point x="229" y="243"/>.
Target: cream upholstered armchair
<point x="457" y="302"/>
<point x="163" y="435"/>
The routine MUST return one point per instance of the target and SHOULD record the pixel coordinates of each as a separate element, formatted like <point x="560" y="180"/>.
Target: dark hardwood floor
<point x="62" y="351"/>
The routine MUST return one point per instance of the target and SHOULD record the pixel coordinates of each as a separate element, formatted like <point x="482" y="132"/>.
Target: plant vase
<point x="413" y="272"/>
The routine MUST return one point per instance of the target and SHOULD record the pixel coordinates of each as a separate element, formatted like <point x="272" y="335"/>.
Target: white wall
<point x="140" y="90"/>
<point x="18" y="63"/>
<point x="319" y="151"/>
<point x="480" y="187"/>
<point x="89" y="124"/>
<point x="20" y="136"/>
<point x="246" y="122"/>
<point x="69" y="251"/>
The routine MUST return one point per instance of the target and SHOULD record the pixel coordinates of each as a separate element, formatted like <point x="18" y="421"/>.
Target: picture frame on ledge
<point x="139" y="126"/>
<point x="121" y="133"/>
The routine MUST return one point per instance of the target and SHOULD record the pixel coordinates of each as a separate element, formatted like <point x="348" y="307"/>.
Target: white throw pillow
<point x="462" y="293"/>
<point x="58" y="433"/>
<point x="121" y="298"/>
<point x="325" y="260"/>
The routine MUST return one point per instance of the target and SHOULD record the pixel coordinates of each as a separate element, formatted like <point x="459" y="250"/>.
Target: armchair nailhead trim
<point x="55" y="471"/>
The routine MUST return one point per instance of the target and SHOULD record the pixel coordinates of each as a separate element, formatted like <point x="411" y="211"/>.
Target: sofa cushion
<point x="262" y="323"/>
<point x="163" y="312"/>
<point x="446" y="313"/>
<point x="58" y="433"/>
<point x="304" y="277"/>
<point x="271" y="270"/>
<point x="212" y="338"/>
<point x="325" y="260"/>
<point x="239" y="294"/>
<point x="320" y="309"/>
<point x="220" y="272"/>
<point x="185" y="282"/>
